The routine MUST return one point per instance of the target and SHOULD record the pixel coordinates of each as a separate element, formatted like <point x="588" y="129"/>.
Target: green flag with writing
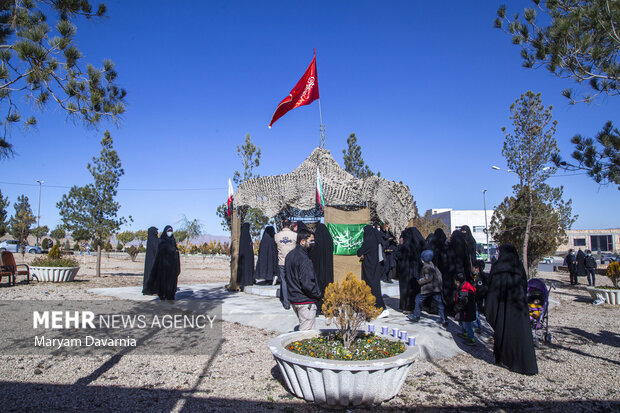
<point x="347" y="237"/>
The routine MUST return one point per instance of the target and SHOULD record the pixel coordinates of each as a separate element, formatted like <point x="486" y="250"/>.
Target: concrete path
<point x="267" y="313"/>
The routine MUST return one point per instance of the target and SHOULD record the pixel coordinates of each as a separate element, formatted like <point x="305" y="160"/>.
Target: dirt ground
<point x="578" y="372"/>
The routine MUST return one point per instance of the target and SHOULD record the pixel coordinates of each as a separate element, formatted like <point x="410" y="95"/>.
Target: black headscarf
<point x="245" y="266"/>
<point x="151" y="251"/>
<point x="322" y="256"/>
<point x="371" y="268"/>
<point x="267" y="263"/>
<point x="301" y="225"/>
<point x="167" y="266"/>
<point x="470" y="241"/>
<point x="507" y="313"/>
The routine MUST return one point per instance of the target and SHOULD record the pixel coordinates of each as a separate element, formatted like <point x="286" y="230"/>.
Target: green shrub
<point x="54" y="262"/>
<point x="613" y="272"/>
<point x="349" y="303"/>
<point x="54" y="252"/>
<point x="45" y="244"/>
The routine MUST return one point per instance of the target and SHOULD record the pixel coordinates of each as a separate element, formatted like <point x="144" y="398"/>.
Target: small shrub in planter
<point x="348" y="304"/>
<point x="613" y="272"/>
<point x="54" y="259"/>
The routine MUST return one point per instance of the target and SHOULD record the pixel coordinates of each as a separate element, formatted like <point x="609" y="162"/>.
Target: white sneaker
<point x="384" y="314"/>
<point x="598" y="302"/>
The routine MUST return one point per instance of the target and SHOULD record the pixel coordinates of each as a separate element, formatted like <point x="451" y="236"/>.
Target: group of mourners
<point x="436" y="274"/>
<point x="162" y="264"/>
<point x="581" y="265"/>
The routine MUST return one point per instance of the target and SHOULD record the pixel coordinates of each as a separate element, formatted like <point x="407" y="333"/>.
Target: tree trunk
<point x="98" y="268"/>
<point x="235" y="230"/>
<point x="526" y="238"/>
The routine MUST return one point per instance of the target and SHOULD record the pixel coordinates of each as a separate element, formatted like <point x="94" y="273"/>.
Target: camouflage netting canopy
<point x="388" y="201"/>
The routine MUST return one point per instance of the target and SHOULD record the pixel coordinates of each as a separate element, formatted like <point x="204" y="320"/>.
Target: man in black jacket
<point x="590" y="264"/>
<point x="571" y="263"/>
<point x="301" y="281"/>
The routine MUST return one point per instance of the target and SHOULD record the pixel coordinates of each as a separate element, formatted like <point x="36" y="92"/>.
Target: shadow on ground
<point x="56" y="397"/>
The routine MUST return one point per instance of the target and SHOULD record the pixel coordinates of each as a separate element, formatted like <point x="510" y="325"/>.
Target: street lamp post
<point x="39" y="210"/>
<point x="486" y="227"/>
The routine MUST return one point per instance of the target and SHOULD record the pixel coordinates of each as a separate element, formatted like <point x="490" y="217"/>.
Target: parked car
<point x="609" y="257"/>
<point x="546" y="260"/>
<point x="14" y="246"/>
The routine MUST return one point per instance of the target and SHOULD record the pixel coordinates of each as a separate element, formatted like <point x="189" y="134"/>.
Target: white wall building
<point x="455" y="219"/>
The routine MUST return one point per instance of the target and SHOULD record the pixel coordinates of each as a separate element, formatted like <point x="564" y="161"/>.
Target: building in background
<point x="455" y="219"/>
<point x="603" y="240"/>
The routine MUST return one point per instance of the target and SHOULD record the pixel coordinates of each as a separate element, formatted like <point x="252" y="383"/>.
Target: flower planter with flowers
<point x="344" y="367"/>
<point x="53" y="268"/>
<point x="611" y="295"/>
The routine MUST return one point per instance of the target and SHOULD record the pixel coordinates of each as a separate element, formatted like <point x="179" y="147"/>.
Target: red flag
<point x="305" y="92"/>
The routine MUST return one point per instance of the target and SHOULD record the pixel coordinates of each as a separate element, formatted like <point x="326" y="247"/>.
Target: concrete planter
<point x="610" y="296"/>
<point x="340" y="383"/>
<point x="54" y="274"/>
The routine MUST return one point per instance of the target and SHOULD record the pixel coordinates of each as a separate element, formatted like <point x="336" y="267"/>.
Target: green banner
<point x="347" y="237"/>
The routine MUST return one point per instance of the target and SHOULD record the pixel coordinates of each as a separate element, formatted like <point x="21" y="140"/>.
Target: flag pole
<point x="321" y="128"/>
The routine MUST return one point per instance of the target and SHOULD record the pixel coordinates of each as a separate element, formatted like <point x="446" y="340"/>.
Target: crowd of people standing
<point x="437" y="274"/>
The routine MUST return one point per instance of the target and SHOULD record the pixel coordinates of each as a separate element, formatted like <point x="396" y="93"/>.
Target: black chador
<point x="322" y="256"/>
<point x="471" y="243"/>
<point x="389" y="251"/>
<point x="167" y="266"/>
<point x="507" y="313"/>
<point x="405" y="262"/>
<point x="371" y="270"/>
<point x="267" y="263"/>
<point x="152" y="242"/>
<point x="245" y="267"/>
<point x="441" y="261"/>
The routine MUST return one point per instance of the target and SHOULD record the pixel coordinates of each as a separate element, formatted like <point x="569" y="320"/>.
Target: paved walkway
<point x="267" y="313"/>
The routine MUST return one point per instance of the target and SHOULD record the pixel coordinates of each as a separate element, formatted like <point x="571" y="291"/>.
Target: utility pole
<point x="486" y="227"/>
<point x="39" y="209"/>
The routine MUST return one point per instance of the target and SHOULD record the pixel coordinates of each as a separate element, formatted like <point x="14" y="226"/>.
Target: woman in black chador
<point x="471" y="243"/>
<point x="405" y="264"/>
<point x="371" y="270"/>
<point x="580" y="269"/>
<point x="151" y="251"/>
<point x="267" y="263"/>
<point x="322" y="256"/>
<point x="441" y="260"/>
<point x="245" y="267"/>
<point x="167" y="266"/>
<point x="507" y="313"/>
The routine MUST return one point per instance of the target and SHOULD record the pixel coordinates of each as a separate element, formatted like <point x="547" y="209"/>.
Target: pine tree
<point x="91" y="210"/>
<point x="250" y="158"/>
<point x="528" y="150"/>
<point x="21" y="221"/>
<point x="580" y="42"/>
<point x="40" y="62"/>
<point x="353" y="162"/>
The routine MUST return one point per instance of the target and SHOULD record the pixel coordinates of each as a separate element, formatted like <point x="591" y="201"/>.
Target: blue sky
<point x="425" y="86"/>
